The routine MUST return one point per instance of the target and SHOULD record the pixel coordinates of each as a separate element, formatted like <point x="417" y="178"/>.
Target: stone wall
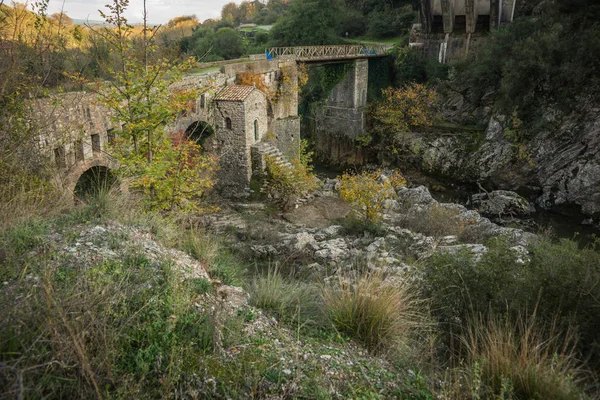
<point x="281" y="77"/>
<point x="74" y="126"/>
<point x="287" y="136"/>
<point x="343" y="115"/>
<point x="74" y="134"/>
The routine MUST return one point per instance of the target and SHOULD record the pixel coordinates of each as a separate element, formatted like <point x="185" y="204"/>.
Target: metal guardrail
<point x="306" y="53"/>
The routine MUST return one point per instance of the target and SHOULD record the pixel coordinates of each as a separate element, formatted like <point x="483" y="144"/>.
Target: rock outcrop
<point x="410" y="231"/>
<point x="501" y="203"/>
<point x="558" y="168"/>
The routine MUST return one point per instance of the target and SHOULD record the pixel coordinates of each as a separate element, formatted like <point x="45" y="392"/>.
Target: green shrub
<point x="559" y="279"/>
<point x="354" y="225"/>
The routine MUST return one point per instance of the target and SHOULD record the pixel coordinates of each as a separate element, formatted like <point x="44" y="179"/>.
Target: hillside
<point x="167" y="235"/>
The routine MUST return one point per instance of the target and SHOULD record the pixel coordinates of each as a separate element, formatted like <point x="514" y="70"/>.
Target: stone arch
<point x="93" y="180"/>
<point x="201" y="132"/>
<point x="75" y="173"/>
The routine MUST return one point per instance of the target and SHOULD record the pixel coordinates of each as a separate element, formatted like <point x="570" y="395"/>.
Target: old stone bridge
<point x="240" y="124"/>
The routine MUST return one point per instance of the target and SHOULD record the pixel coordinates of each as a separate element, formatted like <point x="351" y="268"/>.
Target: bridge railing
<point x="328" y="52"/>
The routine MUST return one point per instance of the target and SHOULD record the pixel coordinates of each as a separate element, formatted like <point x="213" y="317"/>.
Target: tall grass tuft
<point x="522" y="359"/>
<point x="381" y="315"/>
<point x="292" y="301"/>
<point x="21" y="204"/>
<point x="220" y="263"/>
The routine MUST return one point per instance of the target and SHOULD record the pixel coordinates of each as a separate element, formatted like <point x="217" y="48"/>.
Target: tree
<point x="228" y="43"/>
<point x="308" y="23"/>
<point x="169" y="170"/>
<point x="231" y="13"/>
<point x="410" y="107"/>
<point x="369" y="189"/>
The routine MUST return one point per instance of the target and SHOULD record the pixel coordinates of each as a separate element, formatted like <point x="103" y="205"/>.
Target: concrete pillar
<point x="448" y="15"/>
<point x="470" y="15"/>
<point x="361" y="82"/>
<point x="426" y="16"/>
<point x="494" y="13"/>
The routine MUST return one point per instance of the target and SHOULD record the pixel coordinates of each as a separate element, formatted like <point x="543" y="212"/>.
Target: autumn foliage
<point x="369" y="190"/>
<point x="411" y="107"/>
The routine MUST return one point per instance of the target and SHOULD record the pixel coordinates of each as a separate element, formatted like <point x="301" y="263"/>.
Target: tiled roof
<point x="234" y="93"/>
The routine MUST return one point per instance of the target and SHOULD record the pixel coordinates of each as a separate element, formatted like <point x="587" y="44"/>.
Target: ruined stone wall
<point x="287" y="136"/>
<point x="74" y="126"/>
<point x="73" y="133"/>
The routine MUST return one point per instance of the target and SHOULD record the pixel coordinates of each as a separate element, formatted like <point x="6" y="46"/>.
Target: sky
<point x="159" y="11"/>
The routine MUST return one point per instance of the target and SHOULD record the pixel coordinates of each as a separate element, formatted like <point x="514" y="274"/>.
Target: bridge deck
<point x="317" y="53"/>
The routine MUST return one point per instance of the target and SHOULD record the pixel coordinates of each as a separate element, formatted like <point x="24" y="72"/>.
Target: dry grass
<point x="521" y="360"/>
<point x="379" y="314"/>
<point x="290" y="300"/>
<point x="437" y="222"/>
<point x="24" y="205"/>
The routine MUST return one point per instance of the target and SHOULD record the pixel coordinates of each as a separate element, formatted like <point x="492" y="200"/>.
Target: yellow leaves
<point x="410" y="107"/>
<point x="369" y="189"/>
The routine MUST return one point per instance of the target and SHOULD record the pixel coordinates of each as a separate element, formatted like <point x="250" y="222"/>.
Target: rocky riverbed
<point x="317" y="238"/>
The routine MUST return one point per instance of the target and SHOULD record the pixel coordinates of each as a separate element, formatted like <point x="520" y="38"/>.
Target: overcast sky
<point x="159" y="11"/>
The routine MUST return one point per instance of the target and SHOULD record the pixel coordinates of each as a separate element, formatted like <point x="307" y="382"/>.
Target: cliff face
<point x="558" y="168"/>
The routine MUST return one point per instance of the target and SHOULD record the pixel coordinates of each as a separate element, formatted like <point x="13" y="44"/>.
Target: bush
<point x="406" y="109"/>
<point x="354" y="226"/>
<point x="559" y="278"/>
<point x="287" y="183"/>
<point x="380" y="315"/>
<point x="369" y="190"/>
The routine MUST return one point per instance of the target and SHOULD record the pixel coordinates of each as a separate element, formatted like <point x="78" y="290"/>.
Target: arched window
<point x="228" y="123"/>
<point x="256" y="130"/>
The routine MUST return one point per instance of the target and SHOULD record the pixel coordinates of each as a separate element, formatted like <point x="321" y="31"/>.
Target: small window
<point x="110" y="134"/>
<point x="203" y="101"/>
<point x="89" y="114"/>
<point x="228" y="123"/>
<point x="59" y="157"/>
<point x="256" y="130"/>
<point x="79" y="150"/>
<point x="96" y="144"/>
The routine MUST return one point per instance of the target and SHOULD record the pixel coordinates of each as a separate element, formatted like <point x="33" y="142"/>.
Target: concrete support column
<point x="361" y="82"/>
<point x="448" y="15"/>
<point x="426" y="16"/>
<point x="470" y="15"/>
<point x="494" y="13"/>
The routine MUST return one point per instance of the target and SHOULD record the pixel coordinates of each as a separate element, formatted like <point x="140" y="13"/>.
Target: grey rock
<point x="501" y="202"/>
<point x="415" y="196"/>
<point x="304" y="239"/>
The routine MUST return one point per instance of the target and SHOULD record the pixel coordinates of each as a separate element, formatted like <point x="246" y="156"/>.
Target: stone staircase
<point x="261" y="151"/>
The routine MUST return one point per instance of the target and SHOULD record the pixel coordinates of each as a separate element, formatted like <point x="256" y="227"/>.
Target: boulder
<point x="415" y="196"/>
<point x="501" y="202"/>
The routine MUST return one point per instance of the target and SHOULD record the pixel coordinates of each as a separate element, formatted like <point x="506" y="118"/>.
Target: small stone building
<point x="241" y="120"/>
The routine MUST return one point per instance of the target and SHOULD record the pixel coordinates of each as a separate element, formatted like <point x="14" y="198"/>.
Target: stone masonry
<point x="76" y="131"/>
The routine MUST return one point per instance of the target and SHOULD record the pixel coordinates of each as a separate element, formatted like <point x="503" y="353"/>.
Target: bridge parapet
<point x="318" y="53"/>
